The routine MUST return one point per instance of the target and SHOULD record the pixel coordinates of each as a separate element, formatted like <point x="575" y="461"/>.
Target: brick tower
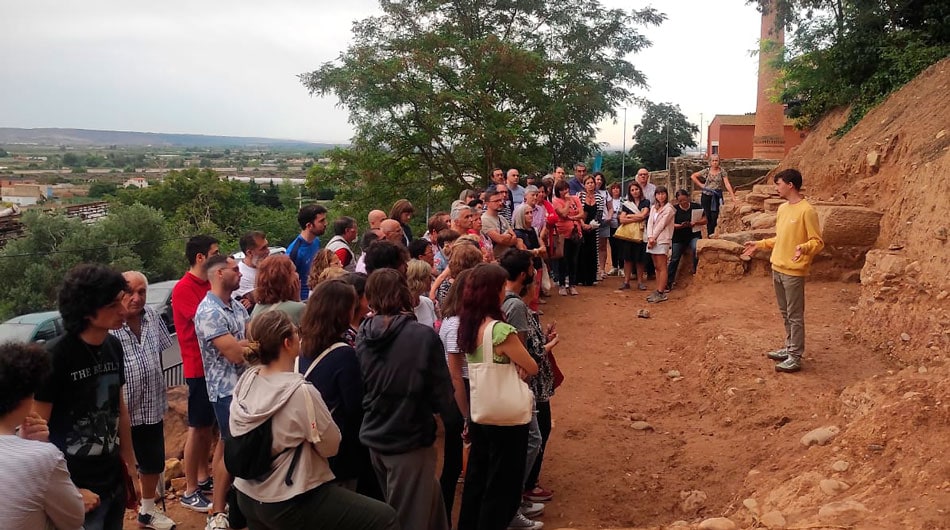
<point x="768" y="137"/>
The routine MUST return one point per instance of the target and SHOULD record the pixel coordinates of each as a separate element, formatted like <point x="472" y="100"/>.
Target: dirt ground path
<point x="726" y="413"/>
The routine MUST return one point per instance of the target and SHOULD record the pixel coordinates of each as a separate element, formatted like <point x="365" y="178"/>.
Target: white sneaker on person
<point x="155" y="519"/>
<point x="531" y="509"/>
<point x="218" y="521"/>
<point x="520" y="522"/>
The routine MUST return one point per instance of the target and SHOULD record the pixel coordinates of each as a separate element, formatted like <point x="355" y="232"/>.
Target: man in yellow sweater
<point x="797" y="240"/>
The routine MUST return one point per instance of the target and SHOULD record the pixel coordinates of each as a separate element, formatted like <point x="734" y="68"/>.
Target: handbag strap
<point x="319" y="358"/>
<point x="488" y="350"/>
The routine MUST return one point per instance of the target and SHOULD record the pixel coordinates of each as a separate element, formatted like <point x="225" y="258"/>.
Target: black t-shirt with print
<point x="84" y="389"/>
<point x="684" y="235"/>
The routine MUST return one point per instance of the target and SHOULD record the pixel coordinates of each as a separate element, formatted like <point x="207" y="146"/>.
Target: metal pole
<point x="623" y="155"/>
<point x="667" y="127"/>
<point x="700" y="134"/>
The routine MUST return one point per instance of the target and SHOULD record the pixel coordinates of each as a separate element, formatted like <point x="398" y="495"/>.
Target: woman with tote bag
<point x="500" y="405"/>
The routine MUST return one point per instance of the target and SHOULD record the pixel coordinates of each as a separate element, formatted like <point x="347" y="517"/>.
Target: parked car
<point x="159" y="296"/>
<point x="239" y="255"/>
<point x="32" y="327"/>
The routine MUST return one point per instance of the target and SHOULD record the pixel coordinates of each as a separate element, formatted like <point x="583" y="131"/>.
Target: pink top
<point x="660" y="225"/>
<point x="565" y="225"/>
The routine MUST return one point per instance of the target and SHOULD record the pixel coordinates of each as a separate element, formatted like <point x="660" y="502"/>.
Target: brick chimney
<point x="768" y="137"/>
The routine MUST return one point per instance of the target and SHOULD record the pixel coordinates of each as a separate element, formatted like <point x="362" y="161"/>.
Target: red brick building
<point x="730" y="135"/>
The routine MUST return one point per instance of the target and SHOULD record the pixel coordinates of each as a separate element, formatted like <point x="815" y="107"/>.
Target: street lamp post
<point x="623" y="153"/>
<point x="700" y="134"/>
<point x="667" y="127"/>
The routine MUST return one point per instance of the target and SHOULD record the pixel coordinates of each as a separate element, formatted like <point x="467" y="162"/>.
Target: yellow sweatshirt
<point x="796" y="227"/>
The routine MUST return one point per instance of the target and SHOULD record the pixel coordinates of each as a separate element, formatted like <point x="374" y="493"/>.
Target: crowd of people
<point x="336" y="364"/>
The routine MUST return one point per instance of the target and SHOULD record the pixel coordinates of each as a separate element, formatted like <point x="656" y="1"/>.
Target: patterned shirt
<point x="142" y="357"/>
<point x="714" y="182"/>
<point x="215" y="319"/>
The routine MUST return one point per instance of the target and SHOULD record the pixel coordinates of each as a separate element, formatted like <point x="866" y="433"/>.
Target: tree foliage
<point x="131" y="237"/>
<point x="855" y="52"/>
<point x="663" y="132"/>
<point x="457" y="87"/>
<point x="361" y="181"/>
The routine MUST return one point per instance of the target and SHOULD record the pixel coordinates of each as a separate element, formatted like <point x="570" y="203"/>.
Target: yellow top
<point x="796" y="228"/>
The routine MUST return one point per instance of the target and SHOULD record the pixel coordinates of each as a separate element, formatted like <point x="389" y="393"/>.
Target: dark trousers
<point x="544" y="423"/>
<point x="328" y="506"/>
<point x="568" y="266"/>
<point x="493" y="478"/>
<point x="110" y="513"/>
<point x="677" y="254"/>
<point x="451" y="458"/>
<point x="712" y="214"/>
<point x="616" y="250"/>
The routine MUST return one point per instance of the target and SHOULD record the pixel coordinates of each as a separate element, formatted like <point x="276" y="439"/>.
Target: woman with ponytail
<point x="296" y="493"/>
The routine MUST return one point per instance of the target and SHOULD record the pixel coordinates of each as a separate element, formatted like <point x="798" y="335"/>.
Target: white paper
<point x="697" y="216"/>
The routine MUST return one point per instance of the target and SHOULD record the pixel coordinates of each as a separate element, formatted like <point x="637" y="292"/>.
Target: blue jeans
<point x="110" y="513"/>
<point x="222" y="413"/>
<point x="534" y="445"/>
<point x="677" y="253"/>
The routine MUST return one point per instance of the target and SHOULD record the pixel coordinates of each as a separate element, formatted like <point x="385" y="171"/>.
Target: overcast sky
<point x="229" y="67"/>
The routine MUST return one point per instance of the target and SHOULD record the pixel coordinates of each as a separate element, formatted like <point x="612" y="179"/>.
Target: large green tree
<point x="854" y="52"/>
<point x="456" y="87"/>
<point x="663" y="133"/>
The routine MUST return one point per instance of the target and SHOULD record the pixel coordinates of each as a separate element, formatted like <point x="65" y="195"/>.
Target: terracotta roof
<point x="743" y="119"/>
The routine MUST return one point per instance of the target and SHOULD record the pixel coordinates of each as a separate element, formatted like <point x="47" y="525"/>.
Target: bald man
<point x="392" y="231"/>
<point x="376" y="217"/>
<point x="144" y="337"/>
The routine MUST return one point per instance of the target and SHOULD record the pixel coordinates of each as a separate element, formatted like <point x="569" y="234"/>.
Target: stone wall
<point x="742" y="171"/>
<point x="849" y="232"/>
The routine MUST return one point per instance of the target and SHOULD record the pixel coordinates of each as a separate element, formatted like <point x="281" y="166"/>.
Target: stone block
<point x="765" y="189"/>
<point x="173" y="469"/>
<point x="843" y="512"/>
<point x="719" y="266"/>
<point x="763" y="221"/>
<point x="747" y="235"/>
<point x="718" y="245"/>
<point x="756" y="199"/>
<point x="849" y="225"/>
<point x="771" y="205"/>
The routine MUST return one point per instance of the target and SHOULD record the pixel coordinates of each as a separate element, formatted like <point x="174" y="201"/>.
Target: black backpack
<point x="248" y="456"/>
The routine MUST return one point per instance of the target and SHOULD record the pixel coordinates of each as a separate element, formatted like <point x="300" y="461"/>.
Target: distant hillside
<point x="88" y="138"/>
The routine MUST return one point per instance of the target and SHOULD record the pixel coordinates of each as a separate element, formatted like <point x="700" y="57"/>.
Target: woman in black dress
<point x="594" y="208"/>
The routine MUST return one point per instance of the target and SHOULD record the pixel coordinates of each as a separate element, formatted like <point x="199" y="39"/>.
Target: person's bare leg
<point x="197" y="445"/>
<point x="222" y="480"/>
<point x="602" y="256"/>
<point x="641" y="273"/>
<point x="149" y="485"/>
<point x="628" y="271"/>
<point x="660" y="263"/>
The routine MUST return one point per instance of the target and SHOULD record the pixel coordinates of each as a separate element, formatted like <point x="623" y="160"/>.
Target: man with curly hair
<point x="82" y="399"/>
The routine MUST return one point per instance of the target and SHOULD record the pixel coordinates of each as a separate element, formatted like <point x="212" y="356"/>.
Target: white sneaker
<point x="155" y="519"/>
<point x="531" y="509"/>
<point x="520" y="522"/>
<point x="218" y="521"/>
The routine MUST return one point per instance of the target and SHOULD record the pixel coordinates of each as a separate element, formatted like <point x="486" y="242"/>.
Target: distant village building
<point x="135" y="182"/>
<point x="25" y="194"/>
<point x="730" y="135"/>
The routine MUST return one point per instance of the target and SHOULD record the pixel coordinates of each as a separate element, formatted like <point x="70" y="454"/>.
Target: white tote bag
<point x="498" y="395"/>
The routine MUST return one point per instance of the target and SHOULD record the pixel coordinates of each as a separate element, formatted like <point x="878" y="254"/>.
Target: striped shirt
<point x="144" y="381"/>
<point x="36" y="488"/>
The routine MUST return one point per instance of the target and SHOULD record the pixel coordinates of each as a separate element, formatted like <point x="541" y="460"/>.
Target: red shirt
<point x="187" y="294"/>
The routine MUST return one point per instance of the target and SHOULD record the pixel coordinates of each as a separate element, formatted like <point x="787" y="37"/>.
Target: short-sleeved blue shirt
<point x="214" y="319"/>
